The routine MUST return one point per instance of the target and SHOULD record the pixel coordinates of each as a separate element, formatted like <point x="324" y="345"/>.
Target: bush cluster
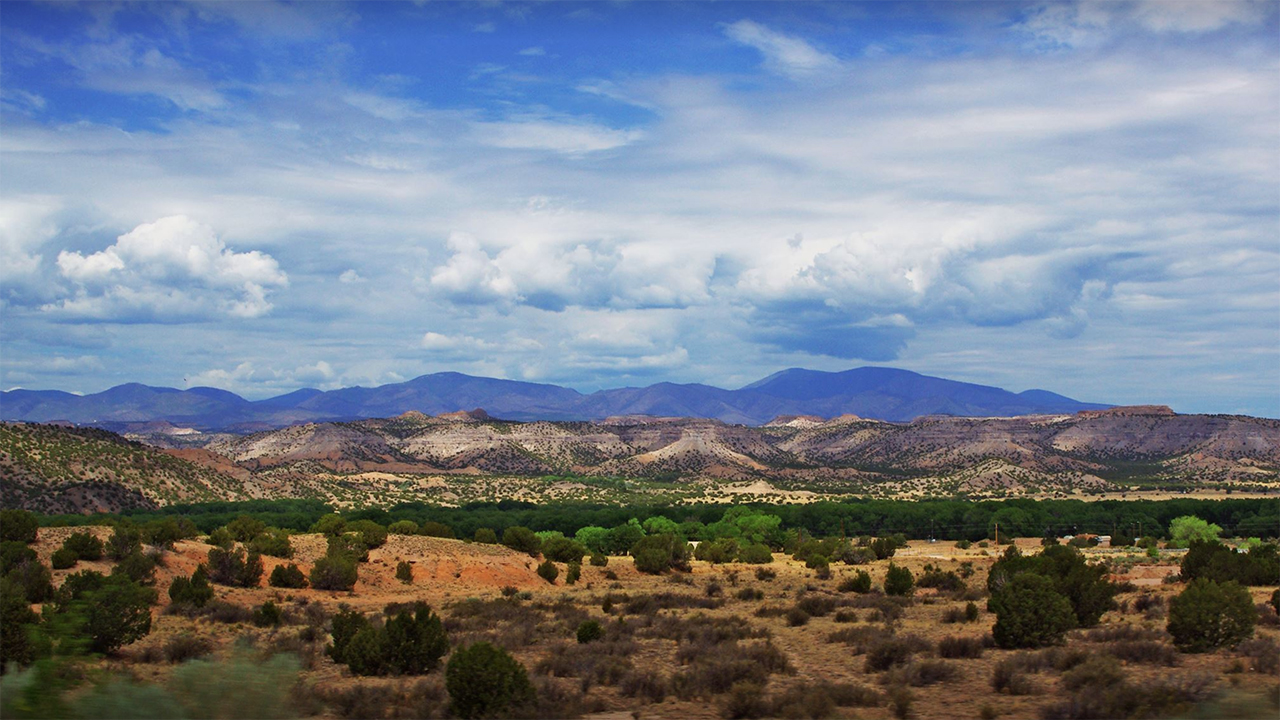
<point x="287" y="576"/>
<point x="234" y="567"/>
<point x="410" y="641"/>
<point x="193" y="591"/>
<point x="1209" y="615"/>
<point x="1214" y="561"/>
<point x="1038" y="598"/>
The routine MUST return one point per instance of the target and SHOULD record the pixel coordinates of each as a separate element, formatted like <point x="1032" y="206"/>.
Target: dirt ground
<point x="449" y="572"/>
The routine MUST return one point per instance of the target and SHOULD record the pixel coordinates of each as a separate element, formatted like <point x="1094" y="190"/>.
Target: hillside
<point x="451" y="459"/>
<point x="60" y="469"/>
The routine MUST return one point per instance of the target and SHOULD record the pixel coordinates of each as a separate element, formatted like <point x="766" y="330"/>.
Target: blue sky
<point x="1082" y="197"/>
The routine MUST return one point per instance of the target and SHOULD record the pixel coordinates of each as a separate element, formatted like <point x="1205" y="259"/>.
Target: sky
<point x="1082" y="197"/>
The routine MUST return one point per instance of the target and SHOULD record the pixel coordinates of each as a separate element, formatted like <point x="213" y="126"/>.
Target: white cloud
<point x="26" y="224"/>
<point x="569" y="138"/>
<point x="384" y="107"/>
<point x="783" y="54"/>
<point x="171" y="268"/>
<point x="534" y="51"/>
<point x="1197" y="16"/>
<point x="350" y="276"/>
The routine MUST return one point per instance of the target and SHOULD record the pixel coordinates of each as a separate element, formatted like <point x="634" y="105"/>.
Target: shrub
<point x="484" y="681"/>
<point x="816" y="605"/>
<point x="756" y="554"/>
<point x="720" y="550"/>
<point x="192" y="591"/>
<point x="124" y="540"/>
<point x="185" y="646"/>
<point x="272" y="542"/>
<point x="860" y="582"/>
<point x="766" y="574"/>
<point x="109" y="611"/>
<point x="403" y="527"/>
<point x="17" y="620"/>
<point x="1208" y="615"/>
<point x="63" y="558"/>
<point x="227" y="567"/>
<point x="963" y="544"/>
<point x="900" y="700"/>
<point x="898" y="581"/>
<point x="410" y="642"/>
<point x="562" y="549"/>
<point x="548" y="571"/>
<point x="599" y="560"/>
<point x="747" y="593"/>
<point x="522" y="539"/>
<point x="1084" y="585"/>
<point x="334" y="572"/>
<point x="349" y="545"/>
<point x="659" y="553"/>
<point x="884" y="548"/>
<point x="138" y="567"/>
<point x="486" y="536"/>
<point x="589" y="630"/>
<point x="892" y="651"/>
<point x="945" y="581"/>
<point x="18" y="526"/>
<point x="371" y="533"/>
<point x="436" y="529"/>
<point x="404" y="572"/>
<point x="644" y="684"/>
<point x="1263" y="654"/>
<point x="84" y="545"/>
<point x="1143" y="651"/>
<point x="797" y="617"/>
<point x="267" y="615"/>
<point x="572" y="573"/>
<point x="287" y="576"/>
<point x="920" y="673"/>
<point x="221" y="538"/>
<point x="1217" y="562"/>
<point x="245" y="527"/>
<point x="1030" y="613"/>
<point x="745" y="700"/>
<point x="960" y="647"/>
<point x="1010" y="675"/>
<point x="225" y="612"/>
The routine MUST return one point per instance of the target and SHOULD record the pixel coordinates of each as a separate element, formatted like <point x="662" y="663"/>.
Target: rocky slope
<point x="50" y="467"/>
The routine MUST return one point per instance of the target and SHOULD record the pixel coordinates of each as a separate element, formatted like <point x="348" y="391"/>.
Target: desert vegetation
<point x="352" y="617"/>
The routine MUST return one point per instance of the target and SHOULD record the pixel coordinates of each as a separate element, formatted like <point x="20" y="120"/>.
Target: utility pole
<point x="997" y="535"/>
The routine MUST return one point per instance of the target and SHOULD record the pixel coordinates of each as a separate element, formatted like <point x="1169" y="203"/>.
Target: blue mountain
<point x="871" y="392"/>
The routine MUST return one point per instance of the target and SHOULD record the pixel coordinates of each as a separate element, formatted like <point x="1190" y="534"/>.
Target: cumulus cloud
<point x="783" y="54"/>
<point x="254" y="377"/>
<point x="172" y="268"/>
<point x="552" y="277"/>
<point x="26" y="224"/>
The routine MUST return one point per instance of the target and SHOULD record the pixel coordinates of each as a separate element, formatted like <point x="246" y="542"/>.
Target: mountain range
<point x="869" y="392"/>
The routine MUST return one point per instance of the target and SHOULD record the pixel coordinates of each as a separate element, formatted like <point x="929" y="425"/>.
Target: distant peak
<point x="477" y="415"/>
